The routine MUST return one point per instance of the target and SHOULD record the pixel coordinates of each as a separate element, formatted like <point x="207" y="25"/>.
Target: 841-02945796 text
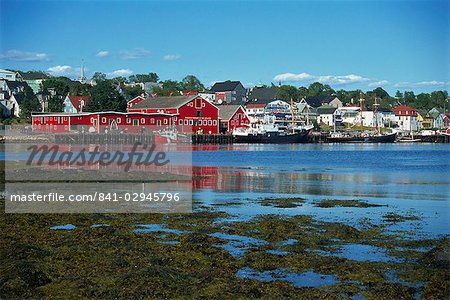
<point x="98" y="197"/>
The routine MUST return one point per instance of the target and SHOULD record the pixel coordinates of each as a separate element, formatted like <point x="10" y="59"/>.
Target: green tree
<point x="55" y="104"/>
<point x="409" y="98"/>
<point x="381" y="93"/>
<point x="318" y="88"/>
<point x="169" y="87"/>
<point x="439" y="99"/>
<point x="398" y="95"/>
<point x="79" y="90"/>
<point x="288" y="93"/>
<point x="192" y="83"/>
<point x="99" y="76"/>
<point x="29" y="103"/>
<point x="131" y="92"/>
<point x="141" y="78"/>
<point x="58" y="84"/>
<point x="303" y="92"/>
<point x="105" y="97"/>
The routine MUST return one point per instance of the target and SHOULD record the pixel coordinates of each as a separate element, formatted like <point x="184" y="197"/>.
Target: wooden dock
<point x="212" y="139"/>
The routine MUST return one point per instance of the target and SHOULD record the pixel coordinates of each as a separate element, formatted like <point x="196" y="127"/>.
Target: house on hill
<point x="75" y="104"/>
<point x="318" y="100"/>
<point x="263" y="94"/>
<point x="406" y="118"/>
<point x="8" y="75"/>
<point x="191" y="113"/>
<point x="231" y="92"/>
<point x="34" y="79"/>
<point x="11" y="95"/>
<point x="232" y="117"/>
<point x="326" y="114"/>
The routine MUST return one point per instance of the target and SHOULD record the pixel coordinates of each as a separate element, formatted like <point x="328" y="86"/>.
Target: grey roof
<point x="264" y="93"/>
<point x="226" y="112"/>
<point x="12" y="85"/>
<point x="33" y="75"/>
<point x="318" y="100"/>
<point x="225" y="86"/>
<point x="266" y="101"/>
<point x="164" y="102"/>
<point x="326" y="110"/>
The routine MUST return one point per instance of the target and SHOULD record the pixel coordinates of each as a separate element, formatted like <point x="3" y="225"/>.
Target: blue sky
<point x="348" y="44"/>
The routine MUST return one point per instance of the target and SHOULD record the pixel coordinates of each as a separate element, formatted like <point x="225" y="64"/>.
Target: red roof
<point x="76" y="101"/>
<point x="404" y="110"/>
<point x="256" y="105"/>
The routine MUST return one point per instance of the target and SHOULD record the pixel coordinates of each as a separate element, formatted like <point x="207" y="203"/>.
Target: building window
<point x="165" y="121"/>
<point x="199" y="113"/>
<point x="142" y="120"/>
<point x="180" y="122"/>
<point x="191" y="122"/>
<point x="135" y="122"/>
<point x="60" y="120"/>
<point x="119" y="120"/>
<point x="42" y="120"/>
<point x="209" y="122"/>
<point x="128" y="121"/>
<point x="214" y="122"/>
<point x="158" y="123"/>
<point x="103" y="120"/>
<point x="200" y="122"/>
<point x="186" y="122"/>
<point x="152" y="121"/>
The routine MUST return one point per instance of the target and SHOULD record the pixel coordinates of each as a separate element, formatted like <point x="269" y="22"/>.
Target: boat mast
<point x="375" y="112"/>
<point x="292" y="116"/>
<point x="361" y="108"/>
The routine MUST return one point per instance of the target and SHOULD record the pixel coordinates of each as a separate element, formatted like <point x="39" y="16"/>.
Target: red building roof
<point x="256" y="105"/>
<point x="77" y="100"/>
<point x="404" y="110"/>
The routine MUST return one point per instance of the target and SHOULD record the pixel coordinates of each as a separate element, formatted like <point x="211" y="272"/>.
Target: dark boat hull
<point x="388" y="138"/>
<point x="298" y="137"/>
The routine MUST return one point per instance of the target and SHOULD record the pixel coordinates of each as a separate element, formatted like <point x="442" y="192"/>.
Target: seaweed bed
<point x="136" y="256"/>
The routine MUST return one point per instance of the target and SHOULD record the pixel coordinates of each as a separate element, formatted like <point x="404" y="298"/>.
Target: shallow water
<point x="305" y="279"/>
<point x="406" y="178"/>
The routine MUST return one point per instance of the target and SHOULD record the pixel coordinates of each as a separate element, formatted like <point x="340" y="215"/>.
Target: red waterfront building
<point x="232" y="117"/>
<point x="191" y="113"/>
<point x="99" y="122"/>
<point x="134" y="101"/>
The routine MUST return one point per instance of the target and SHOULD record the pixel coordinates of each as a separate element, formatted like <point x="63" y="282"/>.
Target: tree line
<point x="422" y="101"/>
<point x="113" y="94"/>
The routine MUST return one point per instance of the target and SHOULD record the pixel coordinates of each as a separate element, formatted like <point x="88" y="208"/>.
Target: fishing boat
<point x="366" y="137"/>
<point x="264" y="136"/>
<point x="269" y="131"/>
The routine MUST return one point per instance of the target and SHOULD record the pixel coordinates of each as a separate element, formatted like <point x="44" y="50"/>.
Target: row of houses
<point x="188" y="114"/>
<point x="194" y="113"/>
<point x="256" y="103"/>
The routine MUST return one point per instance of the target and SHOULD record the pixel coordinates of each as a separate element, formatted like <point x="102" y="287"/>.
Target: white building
<point x="210" y="97"/>
<point x="349" y="114"/>
<point x="406" y="118"/>
<point x="8" y="75"/>
<point x="326" y="114"/>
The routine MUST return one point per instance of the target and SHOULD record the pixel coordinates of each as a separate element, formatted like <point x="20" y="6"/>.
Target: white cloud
<point x="171" y="57"/>
<point x="422" y="84"/>
<point x="18" y="55"/>
<point x="134" y="53"/>
<point x="61" y="70"/>
<point x="120" y="73"/>
<point x="102" y="54"/>
<point x="378" y="83"/>
<point x="325" y="79"/>
<point x="293" y="77"/>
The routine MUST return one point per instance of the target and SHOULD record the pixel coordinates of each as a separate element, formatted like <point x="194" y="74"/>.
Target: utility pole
<point x="361" y="108"/>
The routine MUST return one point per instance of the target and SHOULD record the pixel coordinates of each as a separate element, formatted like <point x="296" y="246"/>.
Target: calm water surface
<point x="410" y="178"/>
